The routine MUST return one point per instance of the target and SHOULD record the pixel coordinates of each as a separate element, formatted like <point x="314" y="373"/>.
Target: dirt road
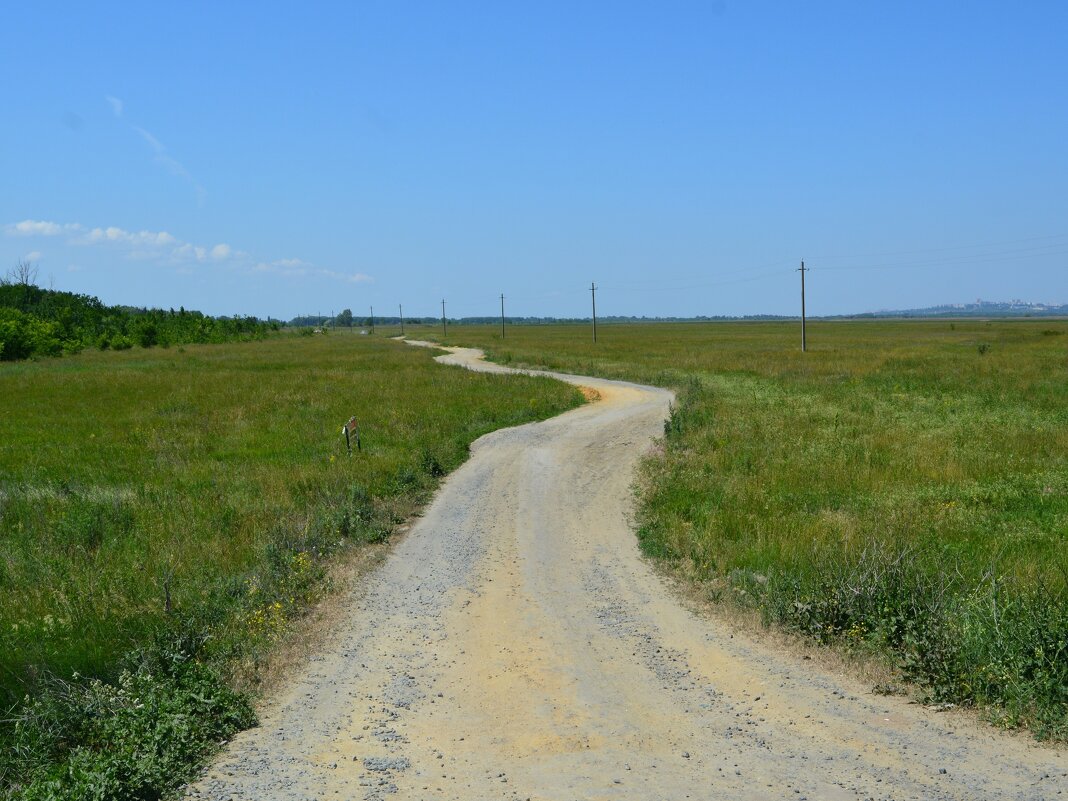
<point x="516" y="646"/>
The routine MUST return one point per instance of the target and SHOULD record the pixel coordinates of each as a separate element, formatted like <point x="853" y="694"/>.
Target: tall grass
<point x="903" y="486"/>
<point x="184" y="502"/>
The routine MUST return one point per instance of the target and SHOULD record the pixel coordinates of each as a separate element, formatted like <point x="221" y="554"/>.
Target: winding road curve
<point x="516" y="646"/>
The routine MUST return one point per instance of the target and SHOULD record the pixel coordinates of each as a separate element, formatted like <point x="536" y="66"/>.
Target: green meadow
<point x="901" y="488"/>
<point x="166" y="514"/>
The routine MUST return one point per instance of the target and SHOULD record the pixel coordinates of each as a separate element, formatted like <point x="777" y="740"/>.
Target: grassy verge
<point x="166" y="515"/>
<point x="901" y="489"/>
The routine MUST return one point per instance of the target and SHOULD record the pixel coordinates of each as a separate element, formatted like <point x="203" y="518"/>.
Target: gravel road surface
<point x="516" y="646"/>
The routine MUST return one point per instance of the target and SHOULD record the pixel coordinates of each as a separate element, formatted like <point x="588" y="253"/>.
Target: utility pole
<point x="802" y="270"/>
<point x="593" y="297"/>
<point x="444" y="333"/>
<point x="502" y="315"/>
<point x="400" y="311"/>
<point x="372" y="319"/>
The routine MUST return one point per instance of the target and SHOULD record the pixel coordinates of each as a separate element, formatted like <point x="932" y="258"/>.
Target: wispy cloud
<point x="290" y="263"/>
<point x="138" y="238"/>
<point x="172" y="164"/>
<point x="352" y="278"/>
<point x="186" y="252"/>
<point x="143" y="245"/>
<point x="299" y="268"/>
<point x="164" y="248"/>
<point x="33" y="255"/>
<point x="40" y="228"/>
<point x="159" y="150"/>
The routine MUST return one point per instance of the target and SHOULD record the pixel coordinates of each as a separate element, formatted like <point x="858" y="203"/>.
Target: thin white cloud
<point x="165" y="248"/>
<point x="141" y="244"/>
<point x="159" y="150"/>
<point x="189" y="252"/>
<point x="74" y="268"/>
<point x="352" y="278"/>
<point x="33" y="255"/>
<point x="138" y="238"/>
<point x="299" y="268"/>
<point x="40" y="228"/>
<point x="153" y="142"/>
<point x="291" y="263"/>
<point x="172" y="164"/>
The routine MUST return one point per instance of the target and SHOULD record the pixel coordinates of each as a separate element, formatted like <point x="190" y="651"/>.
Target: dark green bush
<point x="139" y="737"/>
<point x="24" y="335"/>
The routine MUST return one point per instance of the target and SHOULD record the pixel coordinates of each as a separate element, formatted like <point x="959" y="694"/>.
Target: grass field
<point x="168" y="508"/>
<point x="902" y="487"/>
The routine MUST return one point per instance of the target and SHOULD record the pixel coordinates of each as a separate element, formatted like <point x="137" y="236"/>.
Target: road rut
<point x="516" y="646"/>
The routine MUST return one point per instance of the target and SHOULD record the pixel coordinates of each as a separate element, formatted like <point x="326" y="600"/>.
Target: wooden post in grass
<point x="593" y="297"/>
<point x="400" y="311"/>
<point x="351" y="428"/>
<point x="502" y="315"/>
<point x="444" y="333"/>
<point x="802" y="270"/>
<point x="372" y="319"/>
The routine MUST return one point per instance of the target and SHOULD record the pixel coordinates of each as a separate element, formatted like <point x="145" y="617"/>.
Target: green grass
<point x="177" y="507"/>
<point x="902" y="487"/>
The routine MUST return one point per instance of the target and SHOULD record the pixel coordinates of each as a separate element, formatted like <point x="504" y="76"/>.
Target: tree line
<point x="44" y="322"/>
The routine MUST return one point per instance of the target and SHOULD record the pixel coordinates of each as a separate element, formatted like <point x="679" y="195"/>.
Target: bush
<point x="24" y="335"/>
<point x="137" y="738"/>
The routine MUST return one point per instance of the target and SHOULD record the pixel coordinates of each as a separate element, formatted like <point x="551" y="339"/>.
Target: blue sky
<point x="279" y="159"/>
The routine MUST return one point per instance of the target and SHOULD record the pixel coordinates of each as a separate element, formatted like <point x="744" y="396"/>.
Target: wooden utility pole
<point x="400" y="311"/>
<point x="372" y="319"/>
<point x="502" y="315"/>
<point x="593" y="297"/>
<point x="444" y="332"/>
<point x="802" y="270"/>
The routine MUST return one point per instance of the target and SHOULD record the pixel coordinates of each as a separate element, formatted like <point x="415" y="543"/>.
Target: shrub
<point x="137" y="738"/>
<point x="24" y="335"/>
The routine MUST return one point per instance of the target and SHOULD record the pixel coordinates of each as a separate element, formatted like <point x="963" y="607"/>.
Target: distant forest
<point x="44" y="322"/>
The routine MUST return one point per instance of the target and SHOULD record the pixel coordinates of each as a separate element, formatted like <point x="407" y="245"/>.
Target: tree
<point x="24" y="274"/>
<point x="345" y="318"/>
